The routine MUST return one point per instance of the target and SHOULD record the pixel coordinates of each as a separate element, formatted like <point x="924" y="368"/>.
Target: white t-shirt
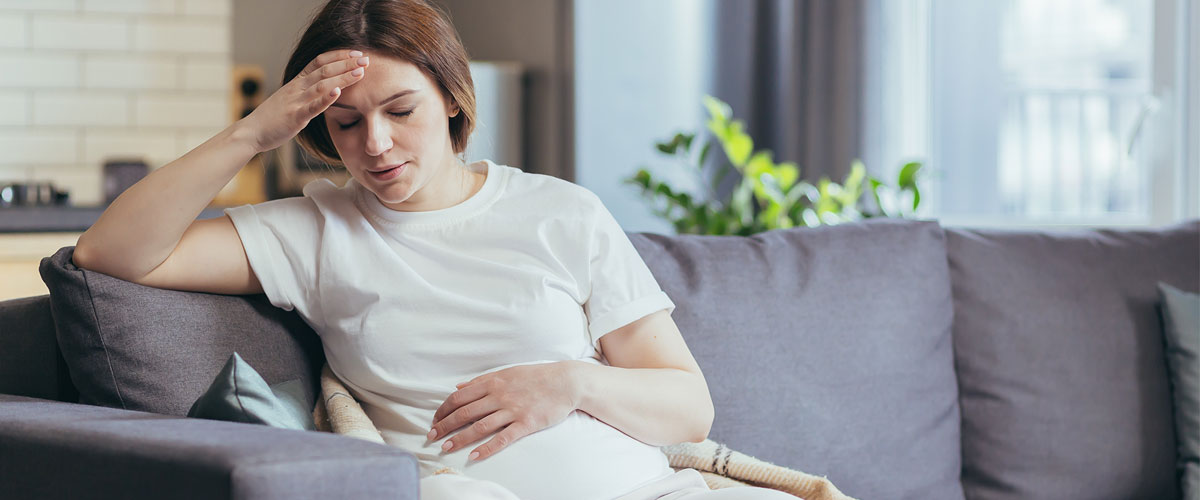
<point x="530" y="269"/>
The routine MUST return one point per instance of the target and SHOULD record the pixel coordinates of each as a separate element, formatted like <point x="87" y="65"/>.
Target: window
<point x="1035" y="112"/>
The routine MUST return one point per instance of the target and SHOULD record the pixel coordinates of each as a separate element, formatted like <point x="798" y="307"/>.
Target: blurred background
<point x="1023" y="112"/>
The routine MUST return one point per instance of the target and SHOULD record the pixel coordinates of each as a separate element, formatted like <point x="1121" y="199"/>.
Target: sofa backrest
<point x="825" y="349"/>
<point x="30" y="362"/>
<point x="1059" y="354"/>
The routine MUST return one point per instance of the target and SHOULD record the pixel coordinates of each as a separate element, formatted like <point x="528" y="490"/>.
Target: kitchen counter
<point x="60" y="219"/>
<point x="27" y="234"/>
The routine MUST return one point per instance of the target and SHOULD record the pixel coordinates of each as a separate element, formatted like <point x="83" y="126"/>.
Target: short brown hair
<point x="412" y="30"/>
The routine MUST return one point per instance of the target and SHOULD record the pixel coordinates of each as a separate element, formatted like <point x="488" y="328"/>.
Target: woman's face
<point x="395" y="115"/>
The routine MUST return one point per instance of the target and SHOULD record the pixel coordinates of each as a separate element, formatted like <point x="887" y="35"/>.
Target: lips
<point x="385" y="169"/>
<point x="389" y="174"/>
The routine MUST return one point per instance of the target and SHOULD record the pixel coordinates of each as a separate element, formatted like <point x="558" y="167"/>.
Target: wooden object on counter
<point x="249" y="186"/>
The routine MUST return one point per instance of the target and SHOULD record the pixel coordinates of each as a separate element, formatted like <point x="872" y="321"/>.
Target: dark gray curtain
<point x="792" y="70"/>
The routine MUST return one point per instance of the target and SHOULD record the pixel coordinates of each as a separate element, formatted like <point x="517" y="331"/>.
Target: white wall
<point x="640" y="73"/>
<point x="84" y="80"/>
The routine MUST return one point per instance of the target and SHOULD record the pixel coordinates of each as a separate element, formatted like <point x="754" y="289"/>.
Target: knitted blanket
<point x="721" y="467"/>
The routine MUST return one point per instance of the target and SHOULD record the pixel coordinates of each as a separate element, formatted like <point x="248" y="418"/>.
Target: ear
<point x="453" y="110"/>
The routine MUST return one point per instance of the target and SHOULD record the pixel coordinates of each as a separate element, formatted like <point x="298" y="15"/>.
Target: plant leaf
<point x="703" y="154"/>
<point x="908" y="175"/>
<point x="788" y="172"/>
<point x="717" y="108"/>
<point x="853" y="186"/>
<point x="810" y="218"/>
<point x="824" y="203"/>
<point x="737" y="143"/>
<point x="875" y="183"/>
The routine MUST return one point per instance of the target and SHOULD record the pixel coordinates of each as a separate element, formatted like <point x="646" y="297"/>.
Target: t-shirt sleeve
<point x="622" y="288"/>
<point x="281" y="240"/>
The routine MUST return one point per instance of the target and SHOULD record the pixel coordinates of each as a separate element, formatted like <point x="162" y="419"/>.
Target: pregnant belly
<point x="579" y="458"/>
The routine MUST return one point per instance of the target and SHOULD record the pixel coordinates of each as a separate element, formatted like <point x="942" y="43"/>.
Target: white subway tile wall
<point x="128" y="71"/>
<point x="52" y="145"/>
<point x="132" y="6"/>
<point x="81" y="108"/>
<point x="40" y="5"/>
<point x="14" y="108"/>
<point x="13" y="32"/>
<point x="80" y="32"/>
<point x="90" y="80"/>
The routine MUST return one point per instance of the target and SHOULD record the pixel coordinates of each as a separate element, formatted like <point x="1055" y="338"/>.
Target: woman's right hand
<point x="286" y="112"/>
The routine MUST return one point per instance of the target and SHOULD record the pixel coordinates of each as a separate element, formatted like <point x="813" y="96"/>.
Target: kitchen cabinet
<point x="20" y="255"/>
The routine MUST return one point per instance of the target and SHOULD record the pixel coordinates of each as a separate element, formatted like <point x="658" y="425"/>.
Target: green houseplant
<point x="770" y="195"/>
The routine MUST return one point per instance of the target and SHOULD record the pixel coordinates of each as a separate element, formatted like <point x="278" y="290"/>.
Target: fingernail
<point x="335" y="91"/>
<point x="355" y="53"/>
<point x="473" y="456"/>
<point x="432" y="434"/>
<point x="447" y="445"/>
<point x="357" y="72"/>
<point x="362" y="61"/>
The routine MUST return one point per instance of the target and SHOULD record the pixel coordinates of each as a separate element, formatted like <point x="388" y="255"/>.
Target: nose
<point x="379" y="141"/>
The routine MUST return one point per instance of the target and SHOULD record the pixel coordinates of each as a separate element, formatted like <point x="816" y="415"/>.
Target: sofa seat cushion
<point x="142" y="348"/>
<point x="57" y="450"/>
<point x="825" y="349"/>
<point x="1059" y="352"/>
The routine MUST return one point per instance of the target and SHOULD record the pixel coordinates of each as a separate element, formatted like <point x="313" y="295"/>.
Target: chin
<point x="394" y="194"/>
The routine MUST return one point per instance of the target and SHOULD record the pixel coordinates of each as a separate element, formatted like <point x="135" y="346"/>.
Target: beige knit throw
<point x="720" y="466"/>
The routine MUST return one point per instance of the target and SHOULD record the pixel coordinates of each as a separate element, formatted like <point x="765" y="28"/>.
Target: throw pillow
<point x="142" y="348"/>
<point x="239" y="394"/>
<point x="1181" y="329"/>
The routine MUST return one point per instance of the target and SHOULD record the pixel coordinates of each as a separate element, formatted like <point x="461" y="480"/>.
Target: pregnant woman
<point x="494" y="323"/>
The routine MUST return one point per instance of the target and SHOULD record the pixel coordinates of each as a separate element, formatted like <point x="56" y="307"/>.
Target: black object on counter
<point x="23" y="194"/>
<point x="120" y="174"/>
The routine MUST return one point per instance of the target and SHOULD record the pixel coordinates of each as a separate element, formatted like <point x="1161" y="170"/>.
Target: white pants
<point x="686" y="484"/>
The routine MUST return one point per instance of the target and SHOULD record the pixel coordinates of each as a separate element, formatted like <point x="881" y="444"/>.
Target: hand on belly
<point x="508" y="405"/>
<point x="580" y="458"/>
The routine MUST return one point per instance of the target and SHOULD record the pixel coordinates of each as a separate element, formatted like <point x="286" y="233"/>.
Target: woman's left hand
<point x="516" y="401"/>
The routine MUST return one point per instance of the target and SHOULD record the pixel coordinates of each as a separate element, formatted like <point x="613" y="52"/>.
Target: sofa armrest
<point x="51" y="449"/>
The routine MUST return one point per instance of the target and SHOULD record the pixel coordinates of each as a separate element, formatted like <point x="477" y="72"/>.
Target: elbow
<point x="85" y="256"/>
<point x="80" y="257"/>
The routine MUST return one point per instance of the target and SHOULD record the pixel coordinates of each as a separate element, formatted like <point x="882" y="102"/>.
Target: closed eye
<point x="355" y="122"/>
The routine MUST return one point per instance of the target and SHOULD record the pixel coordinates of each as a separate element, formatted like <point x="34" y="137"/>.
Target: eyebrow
<point x="395" y="96"/>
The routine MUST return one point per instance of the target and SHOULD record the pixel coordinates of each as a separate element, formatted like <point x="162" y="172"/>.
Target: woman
<point x="492" y="322"/>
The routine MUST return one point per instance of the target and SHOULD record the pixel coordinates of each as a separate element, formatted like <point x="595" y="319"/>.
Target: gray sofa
<point x="899" y="358"/>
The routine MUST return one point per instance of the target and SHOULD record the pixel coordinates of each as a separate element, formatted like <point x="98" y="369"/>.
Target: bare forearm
<point x="143" y="225"/>
<point x="658" y="406"/>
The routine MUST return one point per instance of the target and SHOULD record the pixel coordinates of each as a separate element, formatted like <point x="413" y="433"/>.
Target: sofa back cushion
<point x="1059" y="351"/>
<point x="825" y="349"/>
<point x="142" y="348"/>
<point x="30" y="364"/>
